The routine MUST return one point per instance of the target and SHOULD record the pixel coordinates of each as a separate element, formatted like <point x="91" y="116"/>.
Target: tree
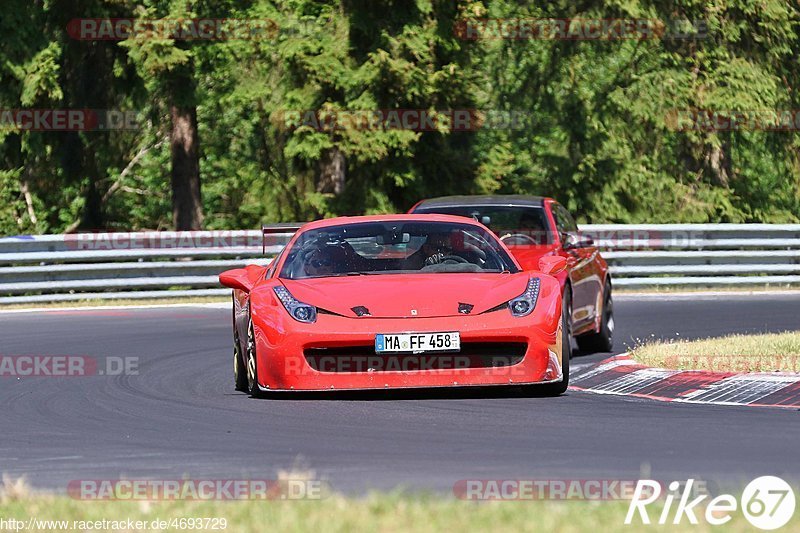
<point x="167" y="66"/>
<point x="598" y="132"/>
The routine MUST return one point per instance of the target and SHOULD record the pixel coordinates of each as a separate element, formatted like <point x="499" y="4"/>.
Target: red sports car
<point x="397" y="301"/>
<point x="533" y="227"/>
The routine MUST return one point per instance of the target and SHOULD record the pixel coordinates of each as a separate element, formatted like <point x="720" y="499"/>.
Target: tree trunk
<point x="187" y="208"/>
<point x="331" y="172"/>
<point x="719" y="161"/>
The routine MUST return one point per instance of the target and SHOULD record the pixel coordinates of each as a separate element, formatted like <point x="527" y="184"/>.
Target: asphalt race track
<point x="180" y="416"/>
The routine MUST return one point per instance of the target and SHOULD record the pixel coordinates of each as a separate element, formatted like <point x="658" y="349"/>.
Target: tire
<point x="239" y="369"/>
<point x="603" y="341"/>
<point x="559" y="388"/>
<point x="566" y="326"/>
<point x="252" y="362"/>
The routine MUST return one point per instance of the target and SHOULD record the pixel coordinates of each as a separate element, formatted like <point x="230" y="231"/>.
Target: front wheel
<point x="556" y="389"/>
<point x="603" y="340"/>
<point x="239" y="369"/>
<point x="252" y="361"/>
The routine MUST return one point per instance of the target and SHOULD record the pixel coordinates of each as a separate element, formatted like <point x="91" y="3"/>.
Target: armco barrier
<point x="700" y="255"/>
<point x="46" y="268"/>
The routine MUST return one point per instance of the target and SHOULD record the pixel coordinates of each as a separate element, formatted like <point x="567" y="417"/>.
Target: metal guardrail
<point x="47" y="268"/>
<point x="700" y="255"/>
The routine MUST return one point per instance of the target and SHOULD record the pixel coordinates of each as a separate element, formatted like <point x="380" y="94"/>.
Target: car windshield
<point x="515" y="225"/>
<point x="395" y="247"/>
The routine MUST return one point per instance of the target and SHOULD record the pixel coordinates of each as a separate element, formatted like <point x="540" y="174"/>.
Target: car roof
<point x="339" y="221"/>
<point x="509" y="200"/>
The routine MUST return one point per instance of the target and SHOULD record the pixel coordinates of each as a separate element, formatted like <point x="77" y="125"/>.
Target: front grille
<point x="364" y="358"/>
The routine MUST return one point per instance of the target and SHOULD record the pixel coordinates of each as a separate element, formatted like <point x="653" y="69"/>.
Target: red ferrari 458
<point x="397" y="301"/>
<point x="533" y="227"/>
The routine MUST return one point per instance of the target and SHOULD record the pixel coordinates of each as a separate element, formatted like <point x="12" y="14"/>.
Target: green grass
<point x="734" y="353"/>
<point x="394" y="512"/>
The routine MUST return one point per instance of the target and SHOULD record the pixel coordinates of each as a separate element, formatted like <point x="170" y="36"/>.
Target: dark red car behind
<point x="533" y="227"/>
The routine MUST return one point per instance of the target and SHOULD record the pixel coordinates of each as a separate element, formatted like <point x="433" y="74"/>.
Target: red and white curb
<point x="622" y="375"/>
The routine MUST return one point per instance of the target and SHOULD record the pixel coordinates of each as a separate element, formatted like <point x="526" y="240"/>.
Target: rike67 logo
<point x="767" y="502"/>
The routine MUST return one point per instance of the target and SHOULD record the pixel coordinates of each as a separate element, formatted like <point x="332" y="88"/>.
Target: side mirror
<point x="552" y="264"/>
<point x="238" y="278"/>
<point x="576" y="240"/>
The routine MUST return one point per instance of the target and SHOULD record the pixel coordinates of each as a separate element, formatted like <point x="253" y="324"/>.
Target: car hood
<point x="528" y="255"/>
<point x="412" y="296"/>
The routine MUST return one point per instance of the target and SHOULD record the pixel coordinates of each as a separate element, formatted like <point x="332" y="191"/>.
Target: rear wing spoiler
<point x="288" y="228"/>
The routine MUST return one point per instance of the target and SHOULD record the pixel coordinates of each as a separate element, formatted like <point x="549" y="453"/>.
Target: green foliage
<point x="599" y="133"/>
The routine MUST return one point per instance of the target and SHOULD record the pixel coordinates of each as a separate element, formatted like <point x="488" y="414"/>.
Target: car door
<point x="586" y="281"/>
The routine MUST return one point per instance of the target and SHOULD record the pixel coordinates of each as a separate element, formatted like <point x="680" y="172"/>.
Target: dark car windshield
<point x="515" y="225"/>
<point x="395" y="247"/>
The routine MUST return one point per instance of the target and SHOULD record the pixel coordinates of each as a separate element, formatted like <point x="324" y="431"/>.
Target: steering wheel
<point x="526" y="239"/>
<point x="453" y="259"/>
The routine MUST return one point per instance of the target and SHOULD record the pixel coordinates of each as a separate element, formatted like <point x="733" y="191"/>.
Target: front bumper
<point x="282" y="364"/>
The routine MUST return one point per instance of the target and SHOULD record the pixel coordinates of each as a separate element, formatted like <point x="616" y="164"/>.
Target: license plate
<point x="417" y="342"/>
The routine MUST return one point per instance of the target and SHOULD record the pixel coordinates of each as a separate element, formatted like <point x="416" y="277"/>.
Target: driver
<point x="436" y="247"/>
<point x="318" y="262"/>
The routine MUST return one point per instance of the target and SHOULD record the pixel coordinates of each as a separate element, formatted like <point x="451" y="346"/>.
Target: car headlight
<point x="523" y="304"/>
<point x="300" y="311"/>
